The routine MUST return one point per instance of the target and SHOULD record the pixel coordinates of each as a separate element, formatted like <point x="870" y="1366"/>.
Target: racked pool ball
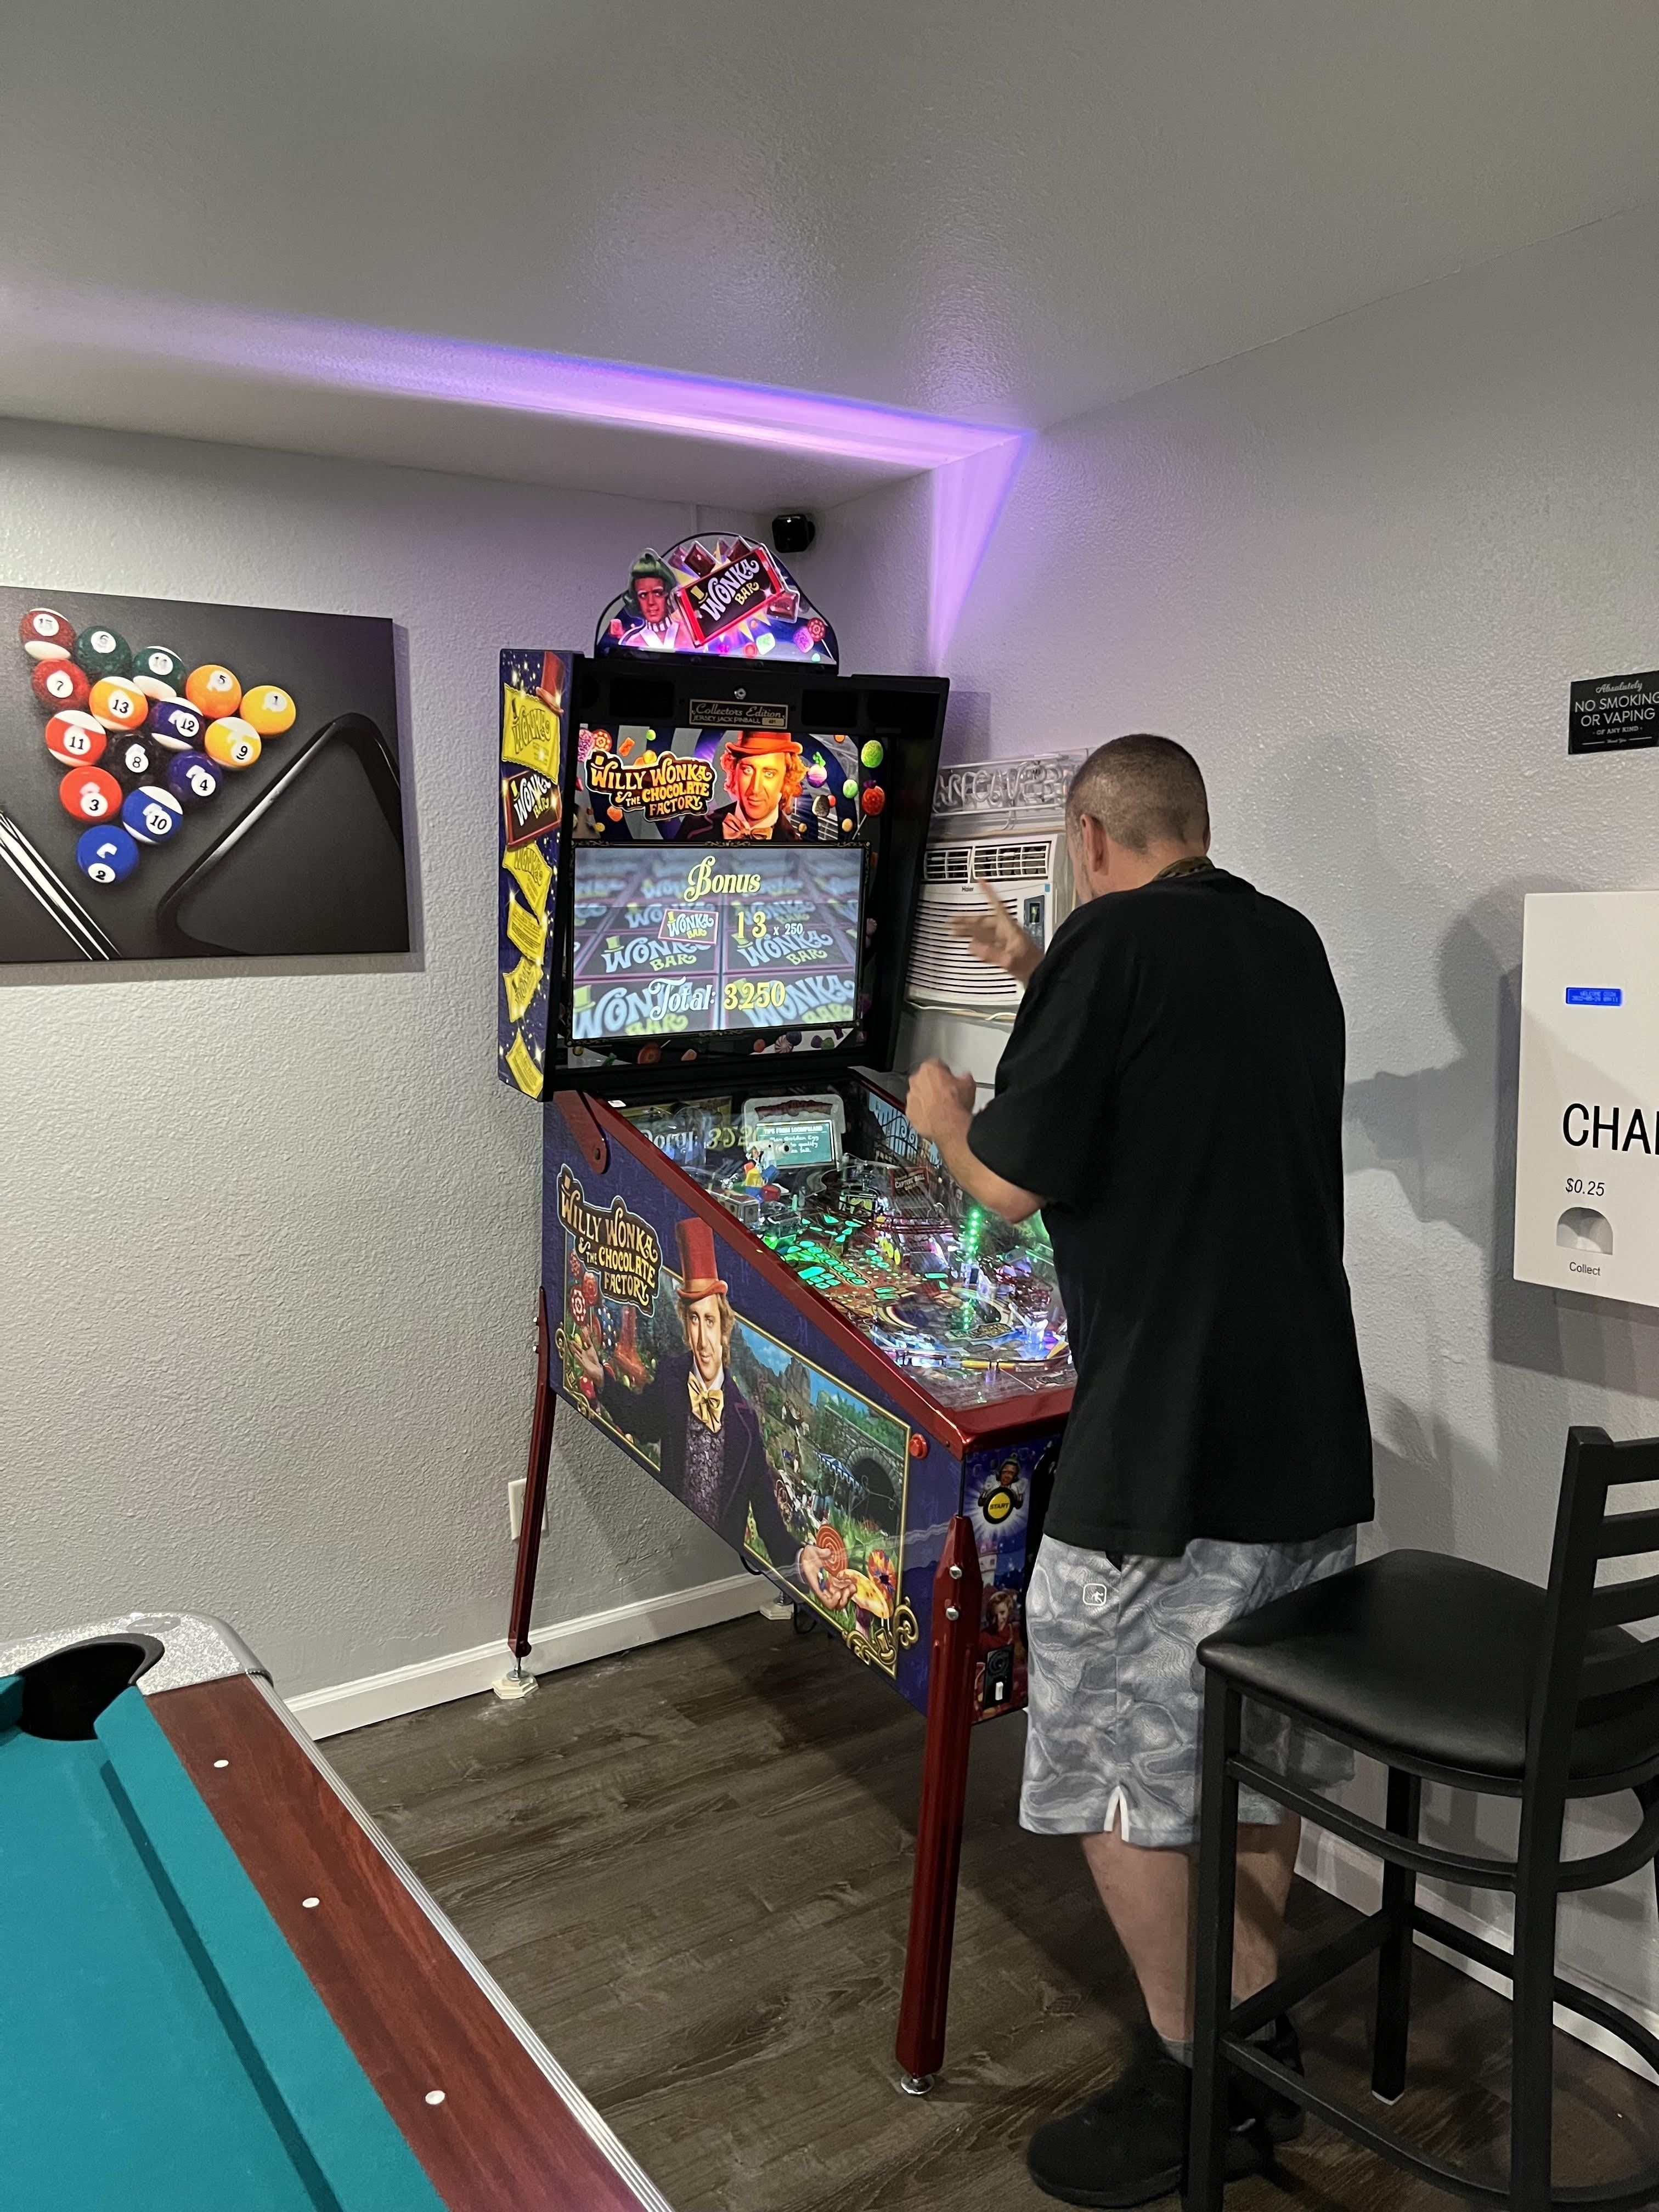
<point x="106" y="856"/>
<point x="177" y="725"/>
<point x="151" y="814"/>
<point x="59" y="684"/>
<point x="268" y="708"/>
<point x="76" y="738"/>
<point x="46" y="634"/>
<point x="212" y="688"/>
<point x="133" y="756"/>
<point x="157" y="671"/>
<point x="90" y="794"/>
<point x="103" y="652"/>
<point x="119" y="703"/>
<point x="232" y="742"/>
<point x="193" y="777"/>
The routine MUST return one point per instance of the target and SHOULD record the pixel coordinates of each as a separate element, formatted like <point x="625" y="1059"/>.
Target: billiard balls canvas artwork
<point x="182" y="780"/>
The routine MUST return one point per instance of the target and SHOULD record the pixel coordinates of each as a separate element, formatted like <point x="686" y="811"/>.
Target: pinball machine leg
<point x="519" y="1684"/>
<point x="957" y="1598"/>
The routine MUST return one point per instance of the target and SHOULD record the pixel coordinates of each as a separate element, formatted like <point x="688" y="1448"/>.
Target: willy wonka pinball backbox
<point x="756" y="1277"/>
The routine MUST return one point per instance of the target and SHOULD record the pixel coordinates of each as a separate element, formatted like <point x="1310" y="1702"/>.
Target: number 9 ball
<point x="232" y="742"/>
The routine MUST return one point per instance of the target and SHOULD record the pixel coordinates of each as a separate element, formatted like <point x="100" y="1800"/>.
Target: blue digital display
<point x="1595" y="994"/>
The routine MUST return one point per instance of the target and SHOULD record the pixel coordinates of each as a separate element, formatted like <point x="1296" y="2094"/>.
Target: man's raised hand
<point x="997" y="939"/>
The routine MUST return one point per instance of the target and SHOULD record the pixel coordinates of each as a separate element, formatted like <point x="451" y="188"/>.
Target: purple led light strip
<point x="972" y="464"/>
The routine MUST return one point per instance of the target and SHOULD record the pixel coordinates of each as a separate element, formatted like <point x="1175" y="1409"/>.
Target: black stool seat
<point x="1432" y="1663"/>
<point x="1444" y="1672"/>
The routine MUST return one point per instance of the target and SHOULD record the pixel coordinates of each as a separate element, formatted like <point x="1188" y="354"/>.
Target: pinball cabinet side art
<point x="756" y="1279"/>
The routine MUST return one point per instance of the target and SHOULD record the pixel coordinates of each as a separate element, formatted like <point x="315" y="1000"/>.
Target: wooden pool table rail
<point x="512" y="2133"/>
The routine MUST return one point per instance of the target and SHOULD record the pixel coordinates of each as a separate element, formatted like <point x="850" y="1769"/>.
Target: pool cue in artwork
<point x="52" y="895"/>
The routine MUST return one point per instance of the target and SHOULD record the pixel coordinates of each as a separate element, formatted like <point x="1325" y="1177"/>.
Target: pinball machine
<point x="757" y="1278"/>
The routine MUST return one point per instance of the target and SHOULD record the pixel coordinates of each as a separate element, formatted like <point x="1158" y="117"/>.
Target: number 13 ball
<point x="119" y="704"/>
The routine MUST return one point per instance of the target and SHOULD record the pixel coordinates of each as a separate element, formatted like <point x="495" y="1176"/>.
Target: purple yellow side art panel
<point x="534" y="686"/>
<point x="786" y="1461"/>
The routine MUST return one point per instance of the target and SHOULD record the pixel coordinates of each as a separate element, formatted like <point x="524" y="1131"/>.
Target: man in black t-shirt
<point x="1172" y="1098"/>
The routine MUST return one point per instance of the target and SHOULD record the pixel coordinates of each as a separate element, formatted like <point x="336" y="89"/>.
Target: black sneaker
<point x="1128" y="2144"/>
<point x="1280" y="2118"/>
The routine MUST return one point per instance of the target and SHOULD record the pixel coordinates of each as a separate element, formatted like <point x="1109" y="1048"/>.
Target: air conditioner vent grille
<point x="944" y="970"/>
<point x="1026" y="860"/>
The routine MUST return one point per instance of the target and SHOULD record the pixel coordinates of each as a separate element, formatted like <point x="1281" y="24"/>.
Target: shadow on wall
<point x="1417" y="1466"/>
<point x="1446" y="1135"/>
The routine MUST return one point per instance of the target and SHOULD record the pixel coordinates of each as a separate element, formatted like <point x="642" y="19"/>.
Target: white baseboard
<point x="564" y="1643"/>
<point x="1340" y="1868"/>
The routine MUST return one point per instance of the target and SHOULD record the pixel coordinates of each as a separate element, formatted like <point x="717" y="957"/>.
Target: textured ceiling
<point x="1006" y="212"/>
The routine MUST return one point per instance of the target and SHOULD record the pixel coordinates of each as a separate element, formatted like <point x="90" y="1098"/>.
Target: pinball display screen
<point x="670" y="939"/>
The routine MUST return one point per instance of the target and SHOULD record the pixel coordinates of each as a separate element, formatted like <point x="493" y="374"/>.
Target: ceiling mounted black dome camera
<point x="793" y="533"/>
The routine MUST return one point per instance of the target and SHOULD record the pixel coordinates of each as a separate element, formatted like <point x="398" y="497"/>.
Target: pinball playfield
<point x="942" y="1288"/>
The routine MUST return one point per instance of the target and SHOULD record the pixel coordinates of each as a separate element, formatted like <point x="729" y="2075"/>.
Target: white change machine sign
<point x="1587" y="1145"/>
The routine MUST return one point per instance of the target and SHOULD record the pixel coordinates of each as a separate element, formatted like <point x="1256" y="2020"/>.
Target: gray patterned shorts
<point x="1116" y="1691"/>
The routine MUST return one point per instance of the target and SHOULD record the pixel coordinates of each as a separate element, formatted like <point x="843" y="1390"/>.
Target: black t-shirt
<point x="1173" y="1092"/>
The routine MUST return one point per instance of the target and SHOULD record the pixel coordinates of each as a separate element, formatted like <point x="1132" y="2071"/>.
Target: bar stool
<point x="1452" y="1673"/>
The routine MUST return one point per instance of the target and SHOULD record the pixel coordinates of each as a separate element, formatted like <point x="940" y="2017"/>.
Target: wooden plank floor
<point x="690" y="1867"/>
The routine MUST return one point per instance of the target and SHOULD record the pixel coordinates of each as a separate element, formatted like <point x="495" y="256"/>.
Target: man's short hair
<point x="1143" y="791"/>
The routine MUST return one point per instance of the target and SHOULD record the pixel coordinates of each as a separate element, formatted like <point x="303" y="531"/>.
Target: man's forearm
<point x="980" y="1183"/>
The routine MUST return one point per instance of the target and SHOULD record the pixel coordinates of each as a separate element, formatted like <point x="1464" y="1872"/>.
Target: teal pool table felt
<point x="165" y="2050"/>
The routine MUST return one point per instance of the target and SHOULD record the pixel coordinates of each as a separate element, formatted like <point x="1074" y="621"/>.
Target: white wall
<point x="268" y="1255"/>
<point x="1355" y="571"/>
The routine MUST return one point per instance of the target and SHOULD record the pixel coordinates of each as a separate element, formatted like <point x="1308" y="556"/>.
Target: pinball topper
<point x="718" y="594"/>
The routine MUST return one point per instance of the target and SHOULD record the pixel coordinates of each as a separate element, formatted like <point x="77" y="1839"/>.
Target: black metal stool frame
<point x="1576" y="1609"/>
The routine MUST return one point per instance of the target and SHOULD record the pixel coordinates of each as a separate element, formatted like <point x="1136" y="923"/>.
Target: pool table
<point x="224" y="1989"/>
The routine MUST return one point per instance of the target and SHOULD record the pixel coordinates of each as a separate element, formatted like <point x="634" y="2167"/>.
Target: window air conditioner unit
<point x="1032" y="876"/>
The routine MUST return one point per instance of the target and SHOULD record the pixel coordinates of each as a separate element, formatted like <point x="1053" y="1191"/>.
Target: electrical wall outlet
<point x="515" y="1508"/>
